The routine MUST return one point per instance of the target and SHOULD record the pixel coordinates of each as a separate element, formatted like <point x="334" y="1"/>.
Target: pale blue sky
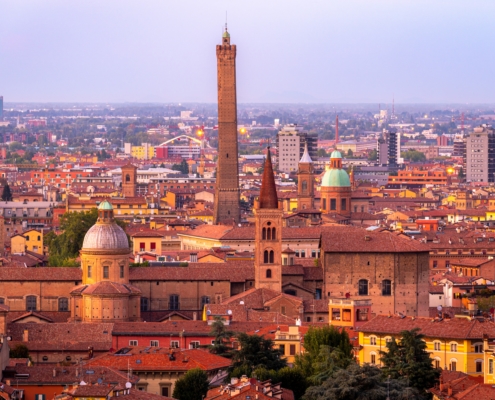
<point x="288" y="50"/>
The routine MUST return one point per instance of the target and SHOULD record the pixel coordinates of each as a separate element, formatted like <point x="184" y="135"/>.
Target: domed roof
<point x="336" y="178"/>
<point x="105" y="205"/>
<point x="335" y="154"/>
<point x="105" y="236"/>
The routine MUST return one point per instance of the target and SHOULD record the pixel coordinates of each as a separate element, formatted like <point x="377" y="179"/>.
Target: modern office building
<point x="480" y="154"/>
<point x="290" y="142"/>
<point x="388" y="149"/>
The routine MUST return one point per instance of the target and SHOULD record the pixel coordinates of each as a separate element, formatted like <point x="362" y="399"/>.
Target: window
<point x="435" y="264"/>
<point x="105" y="272"/>
<point x="324" y="204"/>
<point x="154" y="343"/>
<point x="266" y="256"/>
<point x="31" y="303"/>
<point x="282" y="348"/>
<point x="292" y="349"/>
<point x="174" y="344"/>
<point x="165" y="390"/>
<point x="204" y="300"/>
<point x="373" y="340"/>
<point x="343" y="204"/>
<point x="453" y="365"/>
<point x="436" y="346"/>
<point x="282" y="310"/>
<point x="63" y="304"/>
<point x="271" y="256"/>
<point x="373" y="358"/>
<point x="436" y="363"/>
<point x="173" y="302"/>
<point x="478" y="348"/>
<point x="479" y="366"/>
<point x="121" y="271"/>
<point x="153" y="246"/>
<point x="490" y="366"/>
<point x="453" y="347"/>
<point x="386" y="287"/>
<point x="142" y="246"/>
<point x="2" y="300"/>
<point x="194" y="345"/>
<point x="133" y="342"/>
<point x="363" y="287"/>
<point x="144" y="304"/>
<point x="268" y="273"/>
<point x="89" y="271"/>
<point x="333" y="204"/>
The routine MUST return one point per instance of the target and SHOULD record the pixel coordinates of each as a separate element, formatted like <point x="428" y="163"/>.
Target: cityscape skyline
<point x="415" y="52"/>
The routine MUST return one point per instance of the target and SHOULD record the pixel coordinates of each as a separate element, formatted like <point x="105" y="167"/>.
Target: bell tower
<point x="129" y="180"/>
<point x="305" y="182"/>
<point x="268" y="233"/>
<point x="227" y="207"/>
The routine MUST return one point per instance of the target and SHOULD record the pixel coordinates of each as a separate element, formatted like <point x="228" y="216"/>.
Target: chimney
<point x="77" y="372"/>
<point x="193" y="257"/>
<point x="54" y="372"/>
<point x="195" y="316"/>
<point x="25" y="336"/>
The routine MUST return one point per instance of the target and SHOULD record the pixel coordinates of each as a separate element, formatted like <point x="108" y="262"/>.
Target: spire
<point x="305" y="157"/>
<point x="268" y="193"/>
<point x="336" y="130"/>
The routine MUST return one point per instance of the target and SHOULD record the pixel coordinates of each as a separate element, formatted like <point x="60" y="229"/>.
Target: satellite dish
<point x="229" y="312"/>
<point x="208" y="312"/>
<point x="439" y="308"/>
<point x="100" y="381"/>
<point x="242" y="302"/>
<point x="128" y="385"/>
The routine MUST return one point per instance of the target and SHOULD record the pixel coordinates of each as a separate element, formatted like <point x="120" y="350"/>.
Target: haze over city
<point x="288" y="51"/>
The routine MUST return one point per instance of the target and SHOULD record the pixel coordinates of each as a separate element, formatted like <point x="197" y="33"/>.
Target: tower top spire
<point x="268" y="192"/>
<point x="306" y="157"/>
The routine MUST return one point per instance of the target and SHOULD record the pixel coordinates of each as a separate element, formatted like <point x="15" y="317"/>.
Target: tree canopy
<point x="6" y="193"/>
<point x="255" y="351"/>
<point x="64" y="248"/>
<point x="192" y="386"/>
<point x="408" y="359"/>
<point x="182" y="167"/>
<point x="360" y="383"/>
<point x="221" y="344"/>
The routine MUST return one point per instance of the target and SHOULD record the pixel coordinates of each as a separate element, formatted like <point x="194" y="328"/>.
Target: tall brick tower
<point x="268" y="233"/>
<point x="227" y="184"/>
<point x="129" y="180"/>
<point x="305" y="182"/>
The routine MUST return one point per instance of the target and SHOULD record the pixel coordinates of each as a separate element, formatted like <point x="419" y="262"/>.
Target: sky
<point x="288" y="51"/>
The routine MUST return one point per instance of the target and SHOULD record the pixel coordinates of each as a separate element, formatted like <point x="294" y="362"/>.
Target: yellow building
<point x="205" y="215"/>
<point x="204" y="237"/>
<point x="147" y="241"/>
<point x="144" y="152"/>
<point x="31" y="240"/>
<point x="455" y="344"/>
<point x="122" y="206"/>
<point x="289" y="341"/>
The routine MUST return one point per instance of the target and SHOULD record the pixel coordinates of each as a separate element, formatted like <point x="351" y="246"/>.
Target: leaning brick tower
<point x="227" y="182"/>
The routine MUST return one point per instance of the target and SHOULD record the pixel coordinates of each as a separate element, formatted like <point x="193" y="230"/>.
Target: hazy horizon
<point x="288" y="52"/>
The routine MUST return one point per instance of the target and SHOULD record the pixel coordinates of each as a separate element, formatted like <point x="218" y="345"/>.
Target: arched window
<point x="453" y="347"/>
<point x="269" y="234"/>
<point x="304" y="185"/>
<point x="265" y="257"/>
<point x="127" y="178"/>
<point x="363" y="287"/>
<point x="271" y="257"/>
<point x="268" y="273"/>
<point x="263" y="233"/>
<point x="105" y="272"/>
<point x="274" y="234"/>
<point x="386" y="287"/>
<point x="63" y="304"/>
<point x="31" y="303"/>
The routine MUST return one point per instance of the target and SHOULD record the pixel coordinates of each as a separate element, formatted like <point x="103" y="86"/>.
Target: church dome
<point x="336" y="178"/>
<point x="105" y="234"/>
<point x="335" y="154"/>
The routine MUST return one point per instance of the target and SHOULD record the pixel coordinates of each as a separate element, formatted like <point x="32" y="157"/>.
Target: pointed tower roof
<point x="268" y="193"/>
<point x="305" y="157"/>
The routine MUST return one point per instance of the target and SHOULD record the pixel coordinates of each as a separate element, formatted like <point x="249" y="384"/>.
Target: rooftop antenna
<point x="225" y="20"/>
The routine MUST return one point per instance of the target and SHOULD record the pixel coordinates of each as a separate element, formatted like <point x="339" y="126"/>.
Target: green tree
<point x="361" y="383"/>
<point x="64" y="248"/>
<point x="182" y="167"/>
<point x="350" y="153"/>
<point x="192" y="386"/>
<point x="14" y="146"/>
<point x="373" y="155"/>
<point x="221" y="345"/>
<point x="314" y="342"/>
<point x="289" y="378"/>
<point x="408" y="359"/>
<point x="322" y="153"/>
<point x="255" y="351"/>
<point x="413" y="155"/>
<point x="6" y="194"/>
<point x="461" y="174"/>
<point x="19" y="351"/>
